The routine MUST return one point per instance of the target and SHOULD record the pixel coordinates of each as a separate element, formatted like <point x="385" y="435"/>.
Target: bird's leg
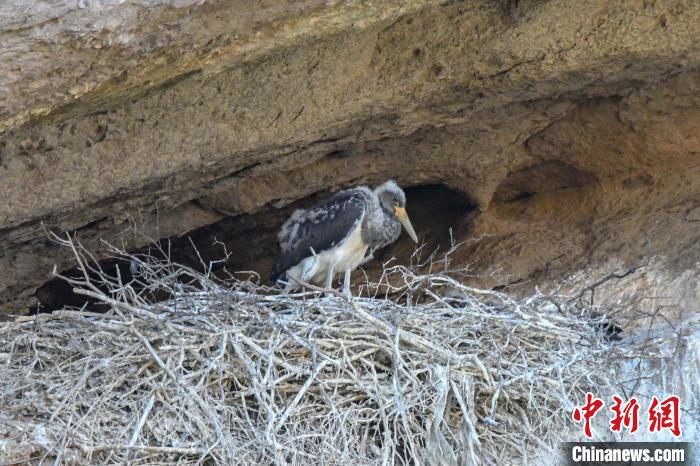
<point x="346" y="284"/>
<point x="307" y="272"/>
<point x="310" y="268"/>
<point x="329" y="281"/>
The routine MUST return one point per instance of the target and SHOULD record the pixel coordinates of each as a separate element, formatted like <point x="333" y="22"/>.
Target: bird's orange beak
<point x="403" y="218"/>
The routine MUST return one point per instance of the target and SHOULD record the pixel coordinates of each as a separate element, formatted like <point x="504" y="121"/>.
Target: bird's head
<point x="393" y="201"/>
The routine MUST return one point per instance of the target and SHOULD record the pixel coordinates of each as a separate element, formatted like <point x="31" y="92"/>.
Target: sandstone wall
<point x="570" y="128"/>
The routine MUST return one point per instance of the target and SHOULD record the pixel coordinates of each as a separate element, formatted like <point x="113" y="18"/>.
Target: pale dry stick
<point x="203" y="406"/>
<point x="440" y="377"/>
<point x="407" y="337"/>
<point x="76" y="386"/>
<point x="117" y="304"/>
<point x="149" y="449"/>
<point x="251" y="344"/>
<point x="383" y="414"/>
<point x="257" y="390"/>
<point x="215" y="360"/>
<point x="470" y="432"/>
<point x="142" y="421"/>
<point x="297" y="398"/>
<point x="299" y="340"/>
<point x="399" y="365"/>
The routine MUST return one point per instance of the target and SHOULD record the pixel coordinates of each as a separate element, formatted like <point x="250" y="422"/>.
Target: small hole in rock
<point x="338" y="154"/>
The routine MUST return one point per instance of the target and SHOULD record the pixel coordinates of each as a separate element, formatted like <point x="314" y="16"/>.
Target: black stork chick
<point x="340" y="234"/>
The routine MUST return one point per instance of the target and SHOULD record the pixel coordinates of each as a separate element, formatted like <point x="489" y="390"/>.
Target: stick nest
<point x="186" y="369"/>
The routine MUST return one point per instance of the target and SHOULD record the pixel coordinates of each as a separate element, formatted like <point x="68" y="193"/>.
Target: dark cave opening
<point x="249" y="243"/>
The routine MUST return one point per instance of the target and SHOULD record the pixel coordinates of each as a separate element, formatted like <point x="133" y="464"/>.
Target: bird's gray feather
<point x="319" y="228"/>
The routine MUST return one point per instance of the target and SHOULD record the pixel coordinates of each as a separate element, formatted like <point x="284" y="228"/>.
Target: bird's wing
<point x="319" y="228"/>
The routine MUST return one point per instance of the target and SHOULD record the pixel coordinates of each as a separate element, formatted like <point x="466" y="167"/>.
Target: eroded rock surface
<point x="570" y="131"/>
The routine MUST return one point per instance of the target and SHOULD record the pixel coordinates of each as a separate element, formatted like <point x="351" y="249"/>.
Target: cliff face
<point x="556" y="138"/>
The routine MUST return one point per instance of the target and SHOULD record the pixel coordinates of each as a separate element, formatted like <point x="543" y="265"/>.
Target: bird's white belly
<point x="347" y="255"/>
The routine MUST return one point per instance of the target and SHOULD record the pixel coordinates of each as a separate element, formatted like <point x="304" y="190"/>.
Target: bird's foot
<point x="347" y="292"/>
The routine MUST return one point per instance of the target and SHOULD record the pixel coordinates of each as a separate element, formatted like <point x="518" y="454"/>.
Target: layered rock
<point x="568" y="129"/>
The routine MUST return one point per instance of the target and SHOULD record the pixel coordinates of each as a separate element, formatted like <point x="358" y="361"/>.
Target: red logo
<point x="587" y="412"/>
<point x="627" y="415"/>
<point x="665" y="415"/>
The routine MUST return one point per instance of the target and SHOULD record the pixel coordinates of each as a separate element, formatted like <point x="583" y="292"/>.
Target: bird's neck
<point x="381" y="227"/>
